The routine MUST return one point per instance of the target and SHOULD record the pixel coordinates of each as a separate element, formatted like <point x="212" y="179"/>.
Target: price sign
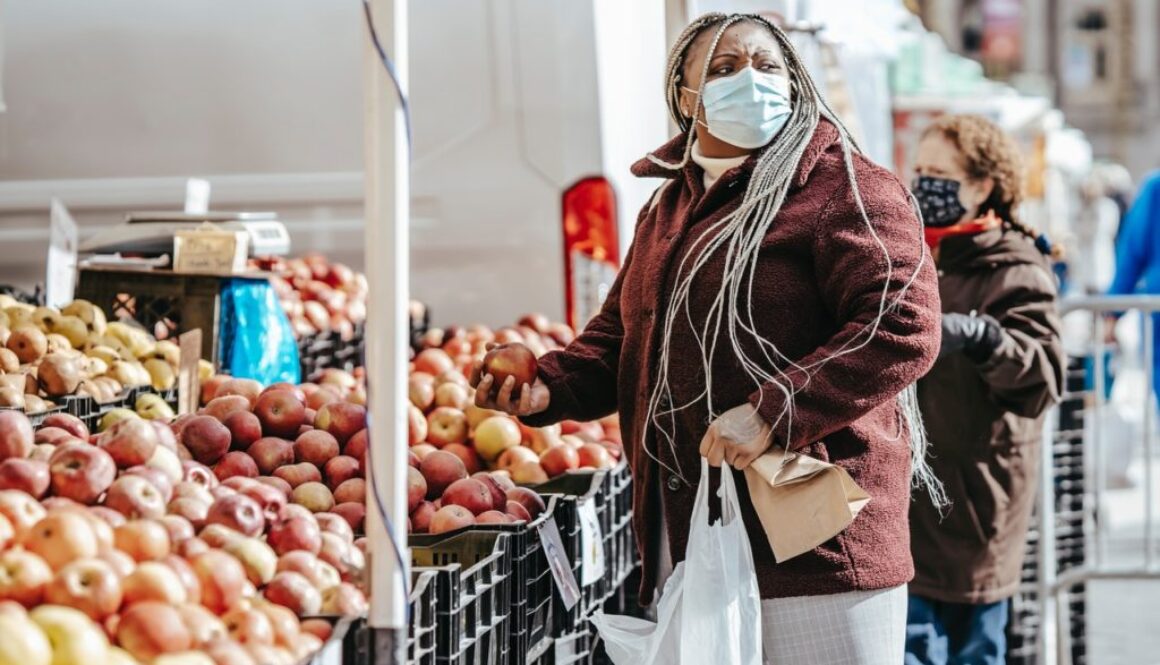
<point x="591" y="544"/>
<point x="558" y="562"/>
<point x="196" y="196"/>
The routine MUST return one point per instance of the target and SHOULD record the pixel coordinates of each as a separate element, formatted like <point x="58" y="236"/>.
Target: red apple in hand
<point x="280" y="412"/>
<point x="515" y="360"/>
<point x="26" y="475"/>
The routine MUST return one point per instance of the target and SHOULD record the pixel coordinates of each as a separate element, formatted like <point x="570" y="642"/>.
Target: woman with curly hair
<point x="1000" y="367"/>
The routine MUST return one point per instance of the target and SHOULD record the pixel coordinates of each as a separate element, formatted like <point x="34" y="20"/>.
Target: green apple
<point x="73" y="635"/>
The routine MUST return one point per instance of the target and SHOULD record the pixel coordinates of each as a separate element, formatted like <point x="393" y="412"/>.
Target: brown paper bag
<point x="802" y="502"/>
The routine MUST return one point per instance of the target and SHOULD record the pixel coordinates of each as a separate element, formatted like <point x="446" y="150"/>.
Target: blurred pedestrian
<point x="1092" y="259"/>
<point x="1000" y="367"/>
<point x="1138" y="255"/>
<point x="777" y="292"/>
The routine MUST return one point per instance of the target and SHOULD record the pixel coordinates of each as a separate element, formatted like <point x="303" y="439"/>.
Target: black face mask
<point x="938" y="199"/>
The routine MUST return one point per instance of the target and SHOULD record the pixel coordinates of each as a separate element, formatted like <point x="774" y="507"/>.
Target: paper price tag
<point x="188" y="384"/>
<point x="61" y="265"/>
<point x="558" y="562"/>
<point x="196" y="196"/>
<point x="591" y="544"/>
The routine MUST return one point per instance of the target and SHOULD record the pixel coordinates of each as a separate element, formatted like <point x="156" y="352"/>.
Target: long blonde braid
<point x="741" y="234"/>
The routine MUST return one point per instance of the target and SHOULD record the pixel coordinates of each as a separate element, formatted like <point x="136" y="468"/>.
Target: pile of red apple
<point x="454" y="443"/>
<point x="150" y="543"/>
<point x="318" y="296"/>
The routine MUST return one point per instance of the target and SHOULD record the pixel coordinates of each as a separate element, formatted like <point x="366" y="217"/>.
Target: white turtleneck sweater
<point x="714" y="167"/>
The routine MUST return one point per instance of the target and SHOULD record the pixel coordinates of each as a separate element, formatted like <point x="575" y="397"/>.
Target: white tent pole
<point x="387" y="208"/>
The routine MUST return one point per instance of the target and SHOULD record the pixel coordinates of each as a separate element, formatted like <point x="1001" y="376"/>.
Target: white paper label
<point x="558" y="562"/>
<point x="591" y="544"/>
<point x="61" y="263"/>
<point x="196" y="196"/>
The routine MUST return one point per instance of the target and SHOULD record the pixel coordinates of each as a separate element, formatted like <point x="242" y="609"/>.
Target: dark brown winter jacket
<point x="819" y="281"/>
<point x="985" y="421"/>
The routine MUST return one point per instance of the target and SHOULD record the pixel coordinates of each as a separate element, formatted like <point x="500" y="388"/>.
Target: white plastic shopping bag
<point x="710" y="610"/>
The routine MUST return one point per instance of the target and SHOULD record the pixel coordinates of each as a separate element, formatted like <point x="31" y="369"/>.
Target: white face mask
<point x="748" y="108"/>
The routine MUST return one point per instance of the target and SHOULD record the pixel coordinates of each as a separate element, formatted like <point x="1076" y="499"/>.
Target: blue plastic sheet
<point x="257" y="341"/>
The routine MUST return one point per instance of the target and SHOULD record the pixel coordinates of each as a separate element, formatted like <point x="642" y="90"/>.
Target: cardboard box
<point x="210" y="249"/>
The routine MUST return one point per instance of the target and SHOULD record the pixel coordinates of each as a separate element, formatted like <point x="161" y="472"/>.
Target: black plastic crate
<point x="576" y="647"/>
<point x="424" y="609"/>
<point x="37" y="419"/>
<point x="473" y="578"/>
<point x="315" y="353"/>
<point x="90" y="410"/>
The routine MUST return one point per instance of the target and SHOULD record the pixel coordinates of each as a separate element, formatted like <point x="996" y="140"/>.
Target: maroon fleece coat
<point x="818" y="284"/>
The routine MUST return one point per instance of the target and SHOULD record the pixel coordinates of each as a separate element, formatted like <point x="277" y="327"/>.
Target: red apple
<point x="210" y="387"/>
<point x="356" y="447"/>
<point x="294" y="591"/>
<point x="314" y="496"/>
<point x="341" y="469"/>
<point x="280" y="412"/>
<point x="416" y="425"/>
<point x="316" y="447"/>
<point x="55" y="436"/>
<point x="205" y="629"/>
<point x="238" y="512"/>
<point x="517" y="511"/>
<point x="130" y="442"/>
<point x="277" y="483"/>
<point x="135" y="498"/>
<point x="332" y="523"/>
<point x="206" y="438"/>
<point x="450" y="518"/>
<point x="244" y="427"/>
<point x="248" y="388"/>
<point x="320" y="628"/>
<point x="353" y="512"/>
<point x="62" y="537"/>
<point x="144" y="540"/>
<point x="199" y="473"/>
<point x="221" y="407"/>
<point x="441" y="469"/>
<point x="81" y="472"/>
<point x="89" y="585"/>
<point x="341" y="419"/>
<point x="26" y="475"/>
<point x="498" y="493"/>
<point x="340" y="553"/>
<point x="282" y="620"/>
<point x="446" y="425"/>
<point x="191" y="509"/>
<point x="16" y="437"/>
<point x="594" y="455"/>
<point x="529" y="499"/>
<point x="416" y="488"/>
<point x="222" y="579"/>
<point x="421" y="516"/>
<point x="21" y="510"/>
<point x="67" y="422"/>
<point x="295" y="534"/>
<point x="421" y="450"/>
<point x="421" y="391"/>
<point x="270" y="499"/>
<point x="247" y="625"/>
<point x="154" y="581"/>
<point x="24" y="576"/>
<point x="469" y="493"/>
<point x="351" y="491"/>
<point x="344" y="600"/>
<point x="433" y="362"/>
<point x="178" y="528"/>
<point x="296" y="474"/>
<point x="514" y="360"/>
<point x="321" y="397"/>
<point x="150" y="629"/>
<point x="236" y="463"/>
<point x="298" y="391"/>
<point x="321" y="575"/>
<point x="514" y="456"/>
<point x="270" y="453"/>
<point x="156" y="477"/>
<point x="452" y="395"/>
<point x="471" y="460"/>
<point x="493" y="517"/>
<point x="559" y="460"/>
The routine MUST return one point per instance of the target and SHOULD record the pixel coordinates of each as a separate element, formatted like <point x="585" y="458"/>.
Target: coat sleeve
<point x="862" y="365"/>
<point x="582" y="377"/>
<point x="1132" y="250"/>
<point x="1025" y="372"/>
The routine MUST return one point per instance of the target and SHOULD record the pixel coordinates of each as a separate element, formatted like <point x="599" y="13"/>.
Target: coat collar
<point x="825" y="136"/>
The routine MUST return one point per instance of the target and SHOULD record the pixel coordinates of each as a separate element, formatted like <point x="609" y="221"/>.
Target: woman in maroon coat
<point x="777" y="292"/>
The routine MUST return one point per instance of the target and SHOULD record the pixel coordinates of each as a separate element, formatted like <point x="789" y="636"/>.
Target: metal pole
<point x="1098" y="449"/>
<point x="1047" y="644"/>
<point x="387" y="211"/>
<point x="1149" y="404"/>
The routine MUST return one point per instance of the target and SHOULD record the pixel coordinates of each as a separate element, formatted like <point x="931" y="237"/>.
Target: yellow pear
<point x="112" y="386"/>
<point x="161" y="374"/>
<point x="93" y="316"/>
<point x="57" y="343"/>
<point x="74" y="637"/>
<point x="74" y="329"/>
<point x="104" y="353"/>
<point x="18" y="315"/>
<point x="152" y="407"/>
<point x="122" y="372"/>
<point x="23" y="642"/>
<point x="6" y="301"/>
<point x="45" y="318"/>
<point x="167" y="351"/>
<point x="35" y="404"/>
<point x="95" y="366"/>
<point x="205" y="370"/>
<point x="120" y="331"/>
<point x="115" y="416"/>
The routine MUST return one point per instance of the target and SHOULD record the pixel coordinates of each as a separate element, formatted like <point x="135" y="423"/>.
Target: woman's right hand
<point x="532" y="399"/>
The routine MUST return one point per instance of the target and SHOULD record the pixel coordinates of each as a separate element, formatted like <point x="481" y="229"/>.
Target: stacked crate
<point x="1070" y="544"/>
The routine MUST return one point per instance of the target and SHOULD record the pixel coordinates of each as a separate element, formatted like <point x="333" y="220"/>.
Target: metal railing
<point x="1053" y="586"/>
